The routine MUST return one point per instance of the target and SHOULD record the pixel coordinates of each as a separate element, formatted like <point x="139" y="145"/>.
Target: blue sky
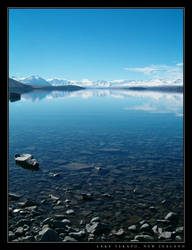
<point x="108" y="44"/>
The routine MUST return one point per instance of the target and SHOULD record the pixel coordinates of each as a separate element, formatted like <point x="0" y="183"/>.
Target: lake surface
<point x="135" y="137"/>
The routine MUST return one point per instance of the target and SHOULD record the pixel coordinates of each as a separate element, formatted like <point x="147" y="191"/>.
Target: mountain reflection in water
<point x="150" y="101"/>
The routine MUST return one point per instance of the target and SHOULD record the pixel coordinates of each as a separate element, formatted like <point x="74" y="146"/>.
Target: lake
<point x="123" y="147"/>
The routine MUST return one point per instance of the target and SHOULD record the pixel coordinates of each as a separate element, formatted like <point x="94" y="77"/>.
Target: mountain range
<point x="20" y="88"/>
<point x="39" y="81"/>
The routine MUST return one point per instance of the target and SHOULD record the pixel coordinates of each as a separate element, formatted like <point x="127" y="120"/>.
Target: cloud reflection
<point x="149" y="101"/>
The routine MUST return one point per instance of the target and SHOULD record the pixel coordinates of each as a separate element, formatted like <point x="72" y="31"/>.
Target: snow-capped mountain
<point x="59" y="82"/>
<point x="37" y="81"/>
<point x="34" y="80"/>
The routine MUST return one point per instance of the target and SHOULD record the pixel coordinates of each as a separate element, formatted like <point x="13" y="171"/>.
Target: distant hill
<point x="64" y="88"/>
<point x="18" y="87"/>
<point x="157" y="88"/>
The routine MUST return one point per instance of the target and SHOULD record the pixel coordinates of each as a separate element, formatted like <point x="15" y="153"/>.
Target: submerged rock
<point x="119" y="232"/>
<point x="87" y="196"/>
<point x="171" y="216"/>
<point x="155" y="229"/>
<point x="56" y="175"/>
<point x="165" y="235"/>
<point x="179" y="230"/>
<point x="19" y="231"/>
<point x="66" y="221"/>
<point x="23" y="222"/>
<point x="145" y="227"/>
<point x="95" y="219"/>
<point x="48" y="235"/>
<point x="70" y="211"/>
<point x="98" y="168"/>
<point x="106" y="195"/>
<point x="96" y="227"/>
<point x="69" y="239"/>
<point x="55" y="198"/>
<point x="144" y="238"/>
<point x="48" y="220"/>
<point x="11" y="235"/>
<point x="132" y="228"/>
<point x="77" y="235"/>
<point x="13" y="196"/>
<point x="178" y="238"/>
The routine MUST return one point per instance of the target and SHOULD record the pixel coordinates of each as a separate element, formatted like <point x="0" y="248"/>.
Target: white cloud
<point x="145" y="107"/>
<point x="179" y="64"/>
<point x="145" y="70"/>
<point x="160" y="71"/>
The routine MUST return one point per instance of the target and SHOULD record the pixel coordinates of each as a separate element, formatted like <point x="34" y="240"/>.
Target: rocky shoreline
<point x="30" y="222"/>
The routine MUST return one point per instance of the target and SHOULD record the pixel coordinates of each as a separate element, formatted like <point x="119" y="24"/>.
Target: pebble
<point x="17" y="210"/>
<point x="160" y="230"/>
<point x="145" y="227"/>
<point x="179" y="230"/>
<point x="56" y="175"/>
<point x="70" y="211"/>
<point x="13" y="196"/>
<point x="144" y="238"/>
<point x="11" y="235"/>
<point x="98" y="168"/>
<point x="21" y="204"/>
<point x="132" y="228"/>
<point x="69" y="239"/>
<point x="31" y="208"/>
<point x="10" y="210"/>
<point x="95" y="219"/>
<point x="142" y="222"/>
<point x="170" y="216"/>
<point x="163" y="201"/>
<point x="48" y="235"/>
<point x="19" y="231"/>
<point x="58" y="202"/>
<point x="106" y="195"/>
<point x="59" y="207"/>
<point x="47" y="221"/>
<point x="45" y="226"/>
<point x="87" y="196"/>
<point x="178" y="238"/>
<point x="152" y="208"/>
<point x="23" y="222"/>
<point x="43" y="201"/>
<point x="25" y="227"/>
<point x="81" y="222"/>
<point x="53" y="197"/>
<point x="95" y="227"/>
<point x="24" y="212"/>
<point x="67" y="201"/>
<point x="155" y="229"/>
<point x="66" y="221"/>
<point x="163" y="221"/>
<point x="165" y="235"/>
<point x="91" y="237"/>
<point x="119" y="232"/>
<point x="59" y="216"/>
<point x="77" y="235"/>
<point x="28" y="238"/>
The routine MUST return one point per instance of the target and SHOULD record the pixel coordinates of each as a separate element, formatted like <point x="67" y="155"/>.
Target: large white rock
<point x="22" y="158"/>
<point x="26" y="161"/>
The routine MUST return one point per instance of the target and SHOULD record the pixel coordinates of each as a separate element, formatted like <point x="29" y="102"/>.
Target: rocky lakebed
<point x="57" y="219"/>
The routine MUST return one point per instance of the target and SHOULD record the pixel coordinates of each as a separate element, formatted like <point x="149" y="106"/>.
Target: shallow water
<point x="135" y="137"/>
